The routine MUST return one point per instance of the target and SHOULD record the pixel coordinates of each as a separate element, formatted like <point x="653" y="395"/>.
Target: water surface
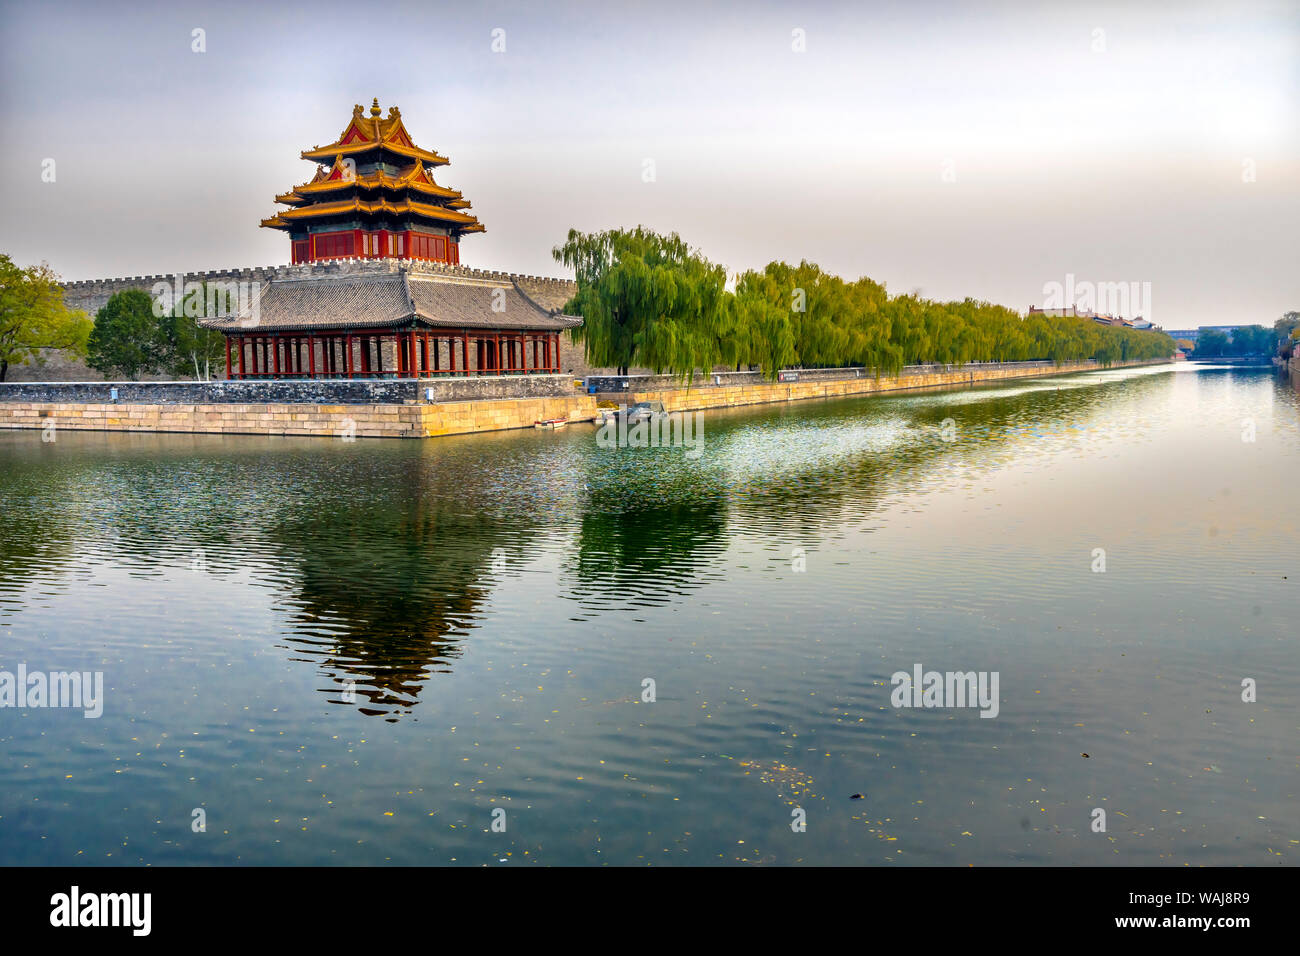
<point x="352" y="653"/>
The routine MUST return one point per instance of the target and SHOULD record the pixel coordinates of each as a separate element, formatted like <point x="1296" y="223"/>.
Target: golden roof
<point x="282" y="220"/>
<point x="365" y="133"/>
<point x="337" y="177"/>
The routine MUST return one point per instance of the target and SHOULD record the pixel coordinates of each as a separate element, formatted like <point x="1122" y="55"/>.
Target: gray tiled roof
<point x="479" y="304"/>
<point x="397" y="300"/>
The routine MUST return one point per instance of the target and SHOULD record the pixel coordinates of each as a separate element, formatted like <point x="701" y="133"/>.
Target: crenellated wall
<point x="91" y="295"/>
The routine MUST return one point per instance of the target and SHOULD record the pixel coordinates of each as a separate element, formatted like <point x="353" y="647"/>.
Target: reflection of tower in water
<point x="383" y="594"/>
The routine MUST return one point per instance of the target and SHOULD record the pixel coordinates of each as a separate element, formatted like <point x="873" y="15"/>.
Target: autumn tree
<point x="33" y="317"/>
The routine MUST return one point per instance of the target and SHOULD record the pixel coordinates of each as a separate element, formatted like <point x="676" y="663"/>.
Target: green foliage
<point x="189" y="348"/>
<point x="131" y="338"/>
<point x="128" y="339"/>
<point x="1252" y="340"/>
<point x="1211" y="344"/>
<point x="33" y="317"/>
<point x="649" y="300"/>
<point x="1286" y="333"/>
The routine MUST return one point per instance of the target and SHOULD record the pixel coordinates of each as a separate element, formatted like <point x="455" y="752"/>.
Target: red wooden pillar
<point x="496" y="347"/>
<point x="311" y="356"/>
<point x="229" y="359"/>
<point x="347" y="361"/>
<point x="464" y="351"/>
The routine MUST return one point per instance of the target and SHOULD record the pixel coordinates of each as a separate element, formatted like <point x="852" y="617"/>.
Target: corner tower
<point x="374" y="197"/>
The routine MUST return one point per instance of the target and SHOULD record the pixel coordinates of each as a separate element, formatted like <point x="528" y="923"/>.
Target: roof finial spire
<point x="374" y="107"/>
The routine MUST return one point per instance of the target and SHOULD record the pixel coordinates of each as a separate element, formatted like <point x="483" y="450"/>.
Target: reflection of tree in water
<point x="796" y="504"/>
<point x="384" y="592"/>
<point x="44" y="504"/>
<point x="646" y="556"/>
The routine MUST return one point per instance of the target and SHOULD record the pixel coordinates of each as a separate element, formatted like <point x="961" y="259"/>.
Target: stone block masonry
<point x="334" y="421"/>
<point x="333" y="391"/>
<point x="477" y="410"/>
<point x="748" y="388"/>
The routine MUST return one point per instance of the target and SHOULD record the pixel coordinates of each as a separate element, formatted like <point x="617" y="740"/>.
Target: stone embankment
<point x="428" y="408"/>
<point x="731" y="389"/>
<point x="334" y="421"/>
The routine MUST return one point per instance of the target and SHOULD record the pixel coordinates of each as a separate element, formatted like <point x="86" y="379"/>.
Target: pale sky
<point x="960" y="149"/>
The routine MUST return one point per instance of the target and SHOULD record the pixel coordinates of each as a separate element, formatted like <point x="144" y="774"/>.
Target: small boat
<point x="643" y="411"/>
<point x="551" y="423"/>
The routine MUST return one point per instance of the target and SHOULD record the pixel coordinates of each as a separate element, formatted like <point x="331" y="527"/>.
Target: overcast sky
<point x="959" y="149"/>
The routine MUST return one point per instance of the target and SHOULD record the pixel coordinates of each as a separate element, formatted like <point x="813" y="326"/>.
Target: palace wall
<point x="330" y="421"/>
<point x="456" y="412"/>
<point x="91" y="295"/>
<point x="756" y="391"/>
<point x="359" y="391"/>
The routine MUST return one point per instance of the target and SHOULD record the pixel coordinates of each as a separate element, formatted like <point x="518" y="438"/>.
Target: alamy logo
<point x="949" y="689"/>
<point x="102" y="909"/>
<point x="83" y="690"/>
<point x="1130" y="299"/>
<point x="208" y="300"/>
<point x="640" y="428"/>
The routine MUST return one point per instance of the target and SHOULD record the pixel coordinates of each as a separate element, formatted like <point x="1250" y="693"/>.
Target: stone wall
<point x="338" y="421"/>
<point x="296" y="391"/>
<point x="91" y="295"/>
<point x="727" y="378"/>
<point x="418" y="419"/>
<point x="763" y="392"/>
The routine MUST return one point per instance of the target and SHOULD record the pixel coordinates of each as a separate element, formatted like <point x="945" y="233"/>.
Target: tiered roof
<point x="407" y="297"/>
<point x="354" y="181"/>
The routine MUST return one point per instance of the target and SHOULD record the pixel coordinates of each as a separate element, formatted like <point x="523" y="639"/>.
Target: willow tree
<point x="647" y="299"/>
<point x="764" y="330"/>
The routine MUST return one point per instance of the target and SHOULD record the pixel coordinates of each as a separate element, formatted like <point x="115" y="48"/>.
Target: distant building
<point x="1111" y="320"/>
<point x="1191" y="334"/>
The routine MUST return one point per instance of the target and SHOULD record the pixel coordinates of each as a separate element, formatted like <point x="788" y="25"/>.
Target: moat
<point x="355" y="652"/>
